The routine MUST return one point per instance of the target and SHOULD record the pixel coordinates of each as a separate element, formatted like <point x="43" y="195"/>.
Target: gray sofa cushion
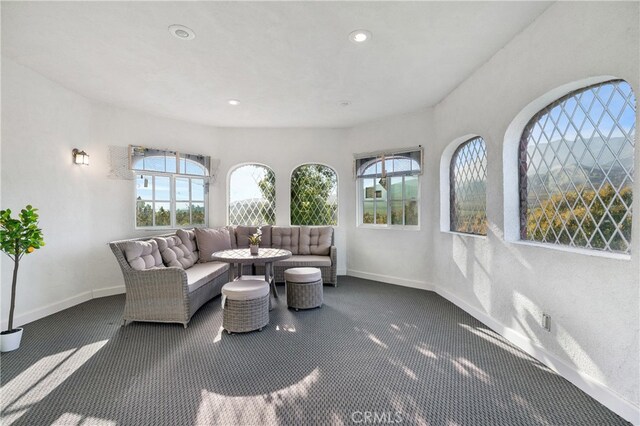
<point x="305" y="260"/>
<point x="243" y="233"/>
<point x="143" y="255"/>
<point x="201" y="273"/>
<point x="316" y="240"/>
<point x="175" y="253"/>
<point x="211" y="240"/>
<point x="188" y="238"/>
<point x="285" y="237"/>
<point x="232" y="236"/>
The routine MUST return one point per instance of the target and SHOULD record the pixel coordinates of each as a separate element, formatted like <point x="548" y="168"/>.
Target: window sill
<point x="464" y="234"/>
<point x="312" y="226"/>
<point x="575" y="250"/>
<point x="168" y="228"/>
<point x="389" y="227"/>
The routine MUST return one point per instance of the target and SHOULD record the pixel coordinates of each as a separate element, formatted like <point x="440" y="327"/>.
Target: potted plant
<point x="17" y="237"/>
<point x="254" y="241"/>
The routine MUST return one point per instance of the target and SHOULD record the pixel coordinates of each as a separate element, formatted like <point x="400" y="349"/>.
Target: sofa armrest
<point x="334" y="265"/>
<point x="162" y="285"/>
<point x="160" y="294"/>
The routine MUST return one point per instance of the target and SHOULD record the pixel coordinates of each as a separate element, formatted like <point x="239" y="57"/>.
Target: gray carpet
<point x="375" y="353"/>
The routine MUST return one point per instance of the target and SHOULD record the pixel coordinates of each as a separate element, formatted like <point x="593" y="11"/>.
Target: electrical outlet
<point x="546" y="322"/>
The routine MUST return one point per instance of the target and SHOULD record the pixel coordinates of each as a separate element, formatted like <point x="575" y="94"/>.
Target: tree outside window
<point x="314" y="195"/>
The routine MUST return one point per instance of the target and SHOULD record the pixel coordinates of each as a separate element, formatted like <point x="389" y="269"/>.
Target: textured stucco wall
<point x="593" y="301"/>
<point x="395" y="255"/>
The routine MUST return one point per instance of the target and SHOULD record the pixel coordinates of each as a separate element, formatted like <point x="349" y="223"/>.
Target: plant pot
<point x="253" y="249"/>
<point x="10" y="340"/>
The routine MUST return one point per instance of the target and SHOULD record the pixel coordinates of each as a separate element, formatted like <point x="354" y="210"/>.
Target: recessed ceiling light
<point x="233" y="102"/>
<point x="182" y="32"/>
<point x="359" y="36"/>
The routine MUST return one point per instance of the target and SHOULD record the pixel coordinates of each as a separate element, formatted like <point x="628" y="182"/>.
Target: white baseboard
<point x="341" y="271"/>
<point x="423" y="285"/>
<point x="109" y="291"/>
<point x="36" y="314"/>
<point x="597" y="390"/>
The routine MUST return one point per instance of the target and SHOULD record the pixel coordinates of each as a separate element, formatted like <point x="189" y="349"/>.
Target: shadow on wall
<point x="474" y="261"/>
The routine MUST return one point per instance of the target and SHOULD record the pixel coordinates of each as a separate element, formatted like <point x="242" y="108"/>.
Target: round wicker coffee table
<point x="238" y="257"/>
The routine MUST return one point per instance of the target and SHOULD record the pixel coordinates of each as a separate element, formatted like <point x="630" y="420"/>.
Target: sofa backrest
<point x="188" y="237"/>
<point x="242" y="234"/>
<point x="175" y="252"/>
<point x="315" y="240"/>
<point x="133" y="256"/>
<point x="232" y="236"/>
<point x="303" y="240"/>
<point x="211" y="240"/>
<point x="286" y="237"/>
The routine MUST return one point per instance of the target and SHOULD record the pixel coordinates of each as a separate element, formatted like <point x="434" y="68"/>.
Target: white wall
<point x="283" y="150"/>
<point x="394" y="255"/>
<point x="593" y="301"/>
<point x="41" y="124"/>
<point x="82" y="209"/>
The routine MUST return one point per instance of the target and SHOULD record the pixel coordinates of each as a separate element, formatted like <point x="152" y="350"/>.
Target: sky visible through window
<point x="578" y="155"/>
<point x="244" y="184"/>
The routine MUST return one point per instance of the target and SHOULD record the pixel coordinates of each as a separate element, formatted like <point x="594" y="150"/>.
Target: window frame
<point x="519" y="146"/>
<point x="228" y="191"/>
<point x="139" y="154"/>
<point x="360" y="191"/>
<point x="452" y="186"/>
<point x="172" y="201"/>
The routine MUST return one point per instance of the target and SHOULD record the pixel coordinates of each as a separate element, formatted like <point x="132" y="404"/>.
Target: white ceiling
<point x="290" y="63"/>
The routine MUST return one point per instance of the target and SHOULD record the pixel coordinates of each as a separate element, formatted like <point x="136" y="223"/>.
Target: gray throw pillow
<point x="243" y="233"/>
<point x="175" y="253"/>
<point x="211" y="240"/>
<point x="143" y="255"/>
<point x="188" y="238"/>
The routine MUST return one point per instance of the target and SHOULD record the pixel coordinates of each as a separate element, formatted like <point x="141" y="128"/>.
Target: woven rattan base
<point x="240" y="316"/>
<point x="304" y="295"/>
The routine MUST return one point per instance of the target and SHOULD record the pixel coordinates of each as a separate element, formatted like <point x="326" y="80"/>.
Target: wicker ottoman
<point x="304" y="288"/>
<point x="245" y="306"/>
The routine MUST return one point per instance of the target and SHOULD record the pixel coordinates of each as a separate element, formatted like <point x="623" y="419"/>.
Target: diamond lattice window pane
<point x="576" y="174"/>
<point x="314" y="195"/>
<point x="468" y="188"/>
<point x="252" y="195"/>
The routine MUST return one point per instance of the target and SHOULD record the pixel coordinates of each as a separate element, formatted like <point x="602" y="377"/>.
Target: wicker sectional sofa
<point x="169" y="277"/>
<point x="309" y="246"/>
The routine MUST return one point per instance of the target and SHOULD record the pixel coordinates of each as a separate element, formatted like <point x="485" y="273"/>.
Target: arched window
<point x="314" y="195"/>
<point x="252" y="195"/>
<point x="576" y="169"/>
<point x="468" y="187"/>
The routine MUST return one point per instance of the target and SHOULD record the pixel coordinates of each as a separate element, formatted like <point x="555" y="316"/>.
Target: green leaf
<point x="17" y="236"/>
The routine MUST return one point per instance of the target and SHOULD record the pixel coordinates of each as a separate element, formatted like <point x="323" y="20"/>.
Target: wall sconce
<point x="80" y="157"/>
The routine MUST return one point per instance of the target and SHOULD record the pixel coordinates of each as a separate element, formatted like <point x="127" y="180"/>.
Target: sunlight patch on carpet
<point x="255" y="409"/>
<point x="36" y="382"/>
